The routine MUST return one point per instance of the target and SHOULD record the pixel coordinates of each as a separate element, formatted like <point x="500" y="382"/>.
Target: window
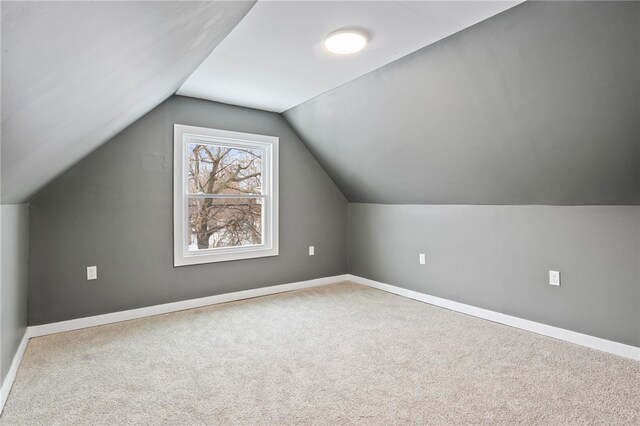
<point x="225" y="204"/>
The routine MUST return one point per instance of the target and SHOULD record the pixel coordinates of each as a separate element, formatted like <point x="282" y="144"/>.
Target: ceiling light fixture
<point x="345" y="42"/>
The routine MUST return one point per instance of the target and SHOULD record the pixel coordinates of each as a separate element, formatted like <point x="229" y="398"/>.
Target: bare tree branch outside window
<point x="225" y="206"/>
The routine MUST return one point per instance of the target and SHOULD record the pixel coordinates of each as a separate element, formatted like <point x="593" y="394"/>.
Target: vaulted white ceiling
<point x="74" y="74"/>
<point x="274" y="59"/>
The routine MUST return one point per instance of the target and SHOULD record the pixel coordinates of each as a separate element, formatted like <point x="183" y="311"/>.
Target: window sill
<point x="197" y="259"/>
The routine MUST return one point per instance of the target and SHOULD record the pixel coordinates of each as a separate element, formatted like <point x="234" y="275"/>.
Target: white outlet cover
<point x="554" y="278"/>
<point x="422" y="258"/>
<point x="92" y="273"/>
<point x="312" y="250"/>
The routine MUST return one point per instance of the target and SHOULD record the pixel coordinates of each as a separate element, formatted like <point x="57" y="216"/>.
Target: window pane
<point x="216" y="169"/>
<point x="224" y="222"/>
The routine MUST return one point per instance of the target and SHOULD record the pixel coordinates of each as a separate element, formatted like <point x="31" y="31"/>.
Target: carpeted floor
<point x="338" y="354"/>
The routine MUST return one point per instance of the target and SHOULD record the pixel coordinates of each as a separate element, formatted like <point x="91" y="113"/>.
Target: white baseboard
<point x="11" y="374"/>
<point x="535" y="327"/>
<point x="75" y="324"/>
<point x="604" y="345"/>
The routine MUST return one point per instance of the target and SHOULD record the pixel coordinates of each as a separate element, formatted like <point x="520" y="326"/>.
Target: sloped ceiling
<point x="275" y="58"/>
<point x="537" y="105"/>
<point x="74" y="74"/>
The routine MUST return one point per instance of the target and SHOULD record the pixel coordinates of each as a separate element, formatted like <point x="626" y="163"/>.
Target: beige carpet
<point x="338" y="354"/>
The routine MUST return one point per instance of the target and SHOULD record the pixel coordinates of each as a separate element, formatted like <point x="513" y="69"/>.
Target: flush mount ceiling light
<point x="345" y="42"/>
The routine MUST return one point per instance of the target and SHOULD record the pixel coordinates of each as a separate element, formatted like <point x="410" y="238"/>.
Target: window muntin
<point x="225" y="205"/>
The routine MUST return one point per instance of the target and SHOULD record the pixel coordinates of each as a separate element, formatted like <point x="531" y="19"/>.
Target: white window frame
<point x="183" y="136"/>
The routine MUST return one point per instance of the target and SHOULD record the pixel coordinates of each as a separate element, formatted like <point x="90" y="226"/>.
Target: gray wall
<point x="114" y="210"/>
<point x="498" y="258"/>
<point x="13" y="281"/>
<point x="536" y="105"/>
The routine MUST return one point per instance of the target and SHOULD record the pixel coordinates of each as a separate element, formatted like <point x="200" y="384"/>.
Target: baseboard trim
<point x="593" y="342"/>
<point x="76" y="324"/>
<point x="11" y="374"/>
<point x="609" y="346"/>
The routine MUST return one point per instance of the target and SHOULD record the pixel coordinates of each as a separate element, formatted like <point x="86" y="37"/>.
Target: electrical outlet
<point x="92" y="273"/>
<point x="554" y="278"/>
<point x="312" y="250"/>
<point x="422" y="259"/>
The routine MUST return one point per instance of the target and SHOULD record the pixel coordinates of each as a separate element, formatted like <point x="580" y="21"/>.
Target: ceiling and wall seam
<point x="275" y="58"/>
<point x="442" y="40"/>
